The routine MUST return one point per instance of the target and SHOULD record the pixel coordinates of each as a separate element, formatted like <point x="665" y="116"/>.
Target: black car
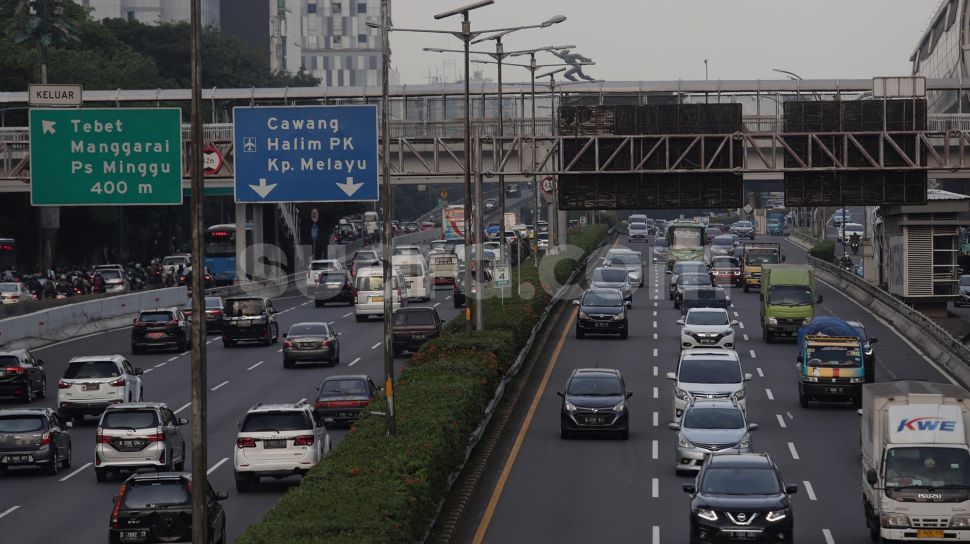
<point x="334" y="286"/>
<point x="157" y="507"/>
<point x="213" y="313"/>
<point x="34" y="437"/>
<point x="687" y="281"/>
<point x="595" y="401"/>
<point x="704" y="297"/>
<point x="602" y="311"/>
<point x="740" y="497"/>
<point x="160" y="328"/>
<point x="21" y="376"/>
<point x="341" y="399"/>
<point x="249" y="319"/>
<point x="311" y="342"/>
<point x="413" y="327"/>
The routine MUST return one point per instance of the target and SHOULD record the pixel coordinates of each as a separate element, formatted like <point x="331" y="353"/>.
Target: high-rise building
<point x="285" y="34"/>
<point x="337" y="45"/>
<point x="153" y="12"/>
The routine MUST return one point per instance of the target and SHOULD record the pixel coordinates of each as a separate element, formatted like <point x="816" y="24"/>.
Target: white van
<point x="417" y="275"/>
<point x="369" y="293"/>
<point x="444" y="268"/>
<point x="407" y="250"/>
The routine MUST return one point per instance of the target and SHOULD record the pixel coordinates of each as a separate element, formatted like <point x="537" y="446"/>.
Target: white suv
<point x="136" y="435"/>
<point x="278" y="440"/>
<point x="708" y="374"/>
<point x="91" y="384"/>
<point x="319" y="266"/>
<point x="707" y="328"/>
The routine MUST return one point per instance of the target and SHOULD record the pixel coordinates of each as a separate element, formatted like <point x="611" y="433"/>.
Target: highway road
<point x="602" y="490"/>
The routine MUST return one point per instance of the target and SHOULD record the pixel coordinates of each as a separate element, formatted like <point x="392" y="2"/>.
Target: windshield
<point x="8" y="287"/>
<point x="91" y="369"/>
<point x="247" y="308"/>
<point x="321" y="265"/>
<point x="594" y="386"/>
<point x="602" y="298"/>
<point x="308" y="329"/>
<point x="743" y="224"/>
<point x="760" y="258"/>
<point x="373" y="283"/>
<point x="638" y="226"/>
<point x="722" y="264"/>
<point x="713" y="418"/>
<point x="611" y="275"/>
<point x="22" y="424"/>
<point x="741" y="481"/>
<point x="332" y="277"/>
<point x="260" y="422"/>
<point x="707" y="318"/>
<point x="723" y="241"/>
<point x="660" y="244"/>
<point x="625" y="258"/>
<point x="853" y="227"/>
<point x="155" y="494"/>
<point x="685" y="237"/>
<point x="927" y="466"/>
<point x="365" y="256"/>
<point x="833" y="356"/>
<point x="343" y="387"/>
<point x="709" y="371"/>
<point x="175" y="261"/>
<point x="689" y="266"/>
<point x="129" y="419"/>
<point x="410" y="270"/>
<point x="110" y="274"/>
<point x="155" y="317"/>
<point x="694" y="279"/>
<point x="789" y="295"/>
<point x="965" y="281"/>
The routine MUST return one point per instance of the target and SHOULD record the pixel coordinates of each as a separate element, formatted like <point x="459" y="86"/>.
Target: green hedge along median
<point x="824" y="250"/>
<point x="379" y="489"/>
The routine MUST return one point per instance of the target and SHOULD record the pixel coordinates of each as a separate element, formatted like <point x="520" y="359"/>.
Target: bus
<point x="220" y="252"/>
<point x="8" y="254"/>
<point x="685" y="241"/>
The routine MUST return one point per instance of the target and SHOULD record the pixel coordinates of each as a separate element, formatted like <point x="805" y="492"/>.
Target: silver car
<point x="710" y="426"/>
<point x="137" y="435"/>
<point x="964" y="299"/>
<point x="34" y="437"/>
<point x="629" y="260"/>
<point x="612" y="278"/>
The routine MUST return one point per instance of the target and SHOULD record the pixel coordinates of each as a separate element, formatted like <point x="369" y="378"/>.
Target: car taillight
<point x="305" y="440"/>
<point x="117" y="508"/>
<point x="245" y="442"/>
<point x="217" y="313"/>
<point x="102" y="438"/>
<point x="14" y="369"/>
<point x="61" y="384"/>
<point x="120" y="382"/>
<point x="341" y="403"/>
<point x="326" y="343"/>
<point x="158" y="436"/>
<point x="355" y="296"/>
<point x="140" y="325"/>
<point x="287" y="344"/>
<point x="398" y="295"/>
<point x="45" y="439"/>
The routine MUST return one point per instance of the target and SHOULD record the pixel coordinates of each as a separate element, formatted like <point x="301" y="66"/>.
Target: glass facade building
<point x="939" y="54"/>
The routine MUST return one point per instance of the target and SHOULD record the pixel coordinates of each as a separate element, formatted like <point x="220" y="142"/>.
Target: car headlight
<point x="812" y="379"/>
<point x="856" y="380"/>
<point x="771" y="321"/>
<point x="681" y="394"/>
<point x="738" y="395"/>
<point x="570" y="407"/>
<point x="900" y="521"/>
<point x="776" y="515"/>
<point x="620" y="407"/>
<point x="690" y="333"/>
<point x="704" y="513"/>
<point x="683" y="442"/>
<point x="745" y="443"/>
<point x="583" y="315"/>
<point x="960" y="522"/>
<point x="619" y="317"/>
<point x="807" y="320"/>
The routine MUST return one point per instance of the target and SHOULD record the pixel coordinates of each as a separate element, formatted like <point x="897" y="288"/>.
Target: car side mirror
<point x="559" y="393"/>
<point x="873" y="340"/>
<point x="782" y="258"/>
<point x="673" y="426"/>
<point x="791" y="489"/>
<point x="752" y="426"/>
<point x="221" y="495"/>
<point x="690" y="488"/>
<point x="139" y="372"/>
<point x="748" y="377"/>
<point x="680" y="321"/>
<point x="285" y="334"/>
<point x="628" y="394"/>
<point x="576" y="302"/>
<point x="183" y="421"/>
<point x="671" y="376"/>
<point x="39" y="362"/>
<point x="872" y="477"/>
<point x="69" y="424"/>
<point x="239" y="425"/>
<point x="114" y="500"/>
<point x="735" y="323"/>
<point x="628" y="305"/>
<point x="818" y="300"/>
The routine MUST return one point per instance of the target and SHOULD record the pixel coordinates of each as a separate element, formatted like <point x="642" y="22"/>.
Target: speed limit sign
<point x="548" y="185"/>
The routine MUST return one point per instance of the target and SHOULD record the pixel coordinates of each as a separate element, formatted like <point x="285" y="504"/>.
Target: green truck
<point x="788" y="299"/>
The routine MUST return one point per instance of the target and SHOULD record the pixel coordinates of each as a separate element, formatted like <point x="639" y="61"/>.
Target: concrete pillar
<point x="258" y="264"/>
<point x="241" y="266"/>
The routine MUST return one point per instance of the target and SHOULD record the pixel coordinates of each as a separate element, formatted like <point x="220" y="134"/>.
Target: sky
<point x="662" y="40"/>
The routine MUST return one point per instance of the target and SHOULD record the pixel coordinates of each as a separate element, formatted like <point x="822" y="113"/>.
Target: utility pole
<point x="390" y="419"/>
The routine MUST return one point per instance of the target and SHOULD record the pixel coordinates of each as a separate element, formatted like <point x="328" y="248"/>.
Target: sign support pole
<point x="390" y="419"/>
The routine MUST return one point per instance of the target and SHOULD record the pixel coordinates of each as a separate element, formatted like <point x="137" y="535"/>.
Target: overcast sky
<point x="669" y="39"/>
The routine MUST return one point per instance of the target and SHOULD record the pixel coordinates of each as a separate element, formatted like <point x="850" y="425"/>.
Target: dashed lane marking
<point x="654" y="354"/>
<point x="220" y="385"/>
<point x="828" y="536"/>
<point x="73" y="474"/>
<point x="215" y="466"/>
<point x="656" y="535"/>
<point x="761" y="373"/>
<point x="781" y="421"/>
<point x="375" y="346"/>
<point x="746" y="338"/>
<point x="655" y="447"/>
<point x="769" y="394"/>
<point x="735" y="313"/>
<point x="655" y="485"/>
<point x="656" y="370"/>
<point x="183" y="407"/>
<point x="184" y="353"/>
<point x="655" y="324"/>
<point x="348" y="314"/>
<point x="160" y="365"/>
<point x="810" y="490"/>
<point x="753" y="355"/>
<point x="8" y="511"/>
<point x="794" y="452"/>
<point x="436" y="304"/>
<point x="147" y="370"/>
<point x="354" y="362"/>
<point x="741" y="324"/>
<point x="255" y="365"/>
<point x="279" y="350"/>
<point x="173" y="358"/>
<point x="654" y="336"/>
<point x="656" y="393"/>
<point x="656" y="419"/>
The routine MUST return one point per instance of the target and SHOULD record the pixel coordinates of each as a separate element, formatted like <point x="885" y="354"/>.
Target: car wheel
<point x="101" y="474"/>
<point x="227" y="343"/>
<point x="580" y="334"/>
<point x="747" y="288"/>
<point x="180" y="466"/>
<point x="287" y="364"/>
<point x="66" y="463"/>
<point x="677" y="304"/>
<point x="624" y="334"/>
<point x="564" y="434"/>
<point x="624" y="434"/>
<point x="336" y="359"/>
<point x="29" y="397"/>
<point x="244" y="483"/>
<point x="857" y="402"/>
<point x="78" y="420"/>
<point x="360" y="318"/>
<point x="269" y="336"/>
<point x="276" y="334"/>
<point x="135" y="350"/>
<point x="55" y="464"/>
<point x="768" y="335"/>
<point x="42" y="394"/>
<point x="802" y="399"/>
<point x="318" y="304"/>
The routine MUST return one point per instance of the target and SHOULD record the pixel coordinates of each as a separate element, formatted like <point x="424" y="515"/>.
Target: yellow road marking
<point x="507" y="468"/>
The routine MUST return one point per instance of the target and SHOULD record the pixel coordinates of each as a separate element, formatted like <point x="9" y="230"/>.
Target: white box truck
<point x="916" y="461"/>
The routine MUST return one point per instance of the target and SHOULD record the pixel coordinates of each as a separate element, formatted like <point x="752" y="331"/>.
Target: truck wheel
<point x="857" y="402"/>
<point x="746" y="288"/>
<point x="802" y="399"/>
<point x="768" y="335"/>
<point x="580" y="334"/>
<point x="360" y="318"/>
<point x="318" y="303"/>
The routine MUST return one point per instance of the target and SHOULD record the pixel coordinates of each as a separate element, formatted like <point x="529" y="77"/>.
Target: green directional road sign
<point x="94" y="157"/>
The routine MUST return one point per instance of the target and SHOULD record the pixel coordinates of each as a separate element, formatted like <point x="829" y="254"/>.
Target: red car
<point x="426" y="226"/>
<point x="726" y="271"/>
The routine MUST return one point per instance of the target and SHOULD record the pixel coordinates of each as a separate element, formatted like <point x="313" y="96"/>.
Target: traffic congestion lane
<point x="623" y="490"/>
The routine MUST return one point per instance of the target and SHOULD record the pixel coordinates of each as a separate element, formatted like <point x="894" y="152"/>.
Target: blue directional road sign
<point x="305" y="154"/>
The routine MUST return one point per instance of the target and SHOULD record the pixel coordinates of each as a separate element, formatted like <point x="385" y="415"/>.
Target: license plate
<point x="377" y="299"/>
<point x="707" y="341"/>
<point x="420" y="336"/>
<point x="595" y="420"/>
<point x="131" y="443"/>
<point x="156" y="335"/>
<point x="307" y="346"/>
<point x="345" y="414"/>
<point x="243" y="323"/>
<point x="271" y="444"/>
<point x="17" y="459"/>
<point x="602" y="325"/>
<point x="834" y="390"/>
<point x="744" y="535"/>
<point x="90" y="387"/>
<point x="133" y="536"/>
<point x="927" y="533"/>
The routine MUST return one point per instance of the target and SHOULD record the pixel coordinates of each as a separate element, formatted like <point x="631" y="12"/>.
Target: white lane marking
<point x="173" y="358"/>
<point x="655" y="354"/>
<point x="828" y="536"/>
<point x="210" y="341"/>
<point x="655" y="450"/>
<point x="781" y="421"/>
<point x="305" y="303"/>
<point x="184" y="353"/>
<point x="810" y="490"/>
<point x="654" y="336"/>
<point x="448" y="297"/>
<point x="656" y="535"/>
<point x="656" y="393"/>
<point x="656" y="419"/>
<point x="655" y="370"/>
<point x="655" y="313"/>
<point x="753" y="354"/>
<point x="215" y="466"/>
<point x="73" y="474"/>
<point x="655" y="324"/>
<point x="377" y="345"/>
<point x="330" y="322"/>
<point x="8" y="511"/>
<point x="183" y="407"/>
<point x="735" y="313"/>
<point x="436" y="304"/>
<point x="147" y="370"/>
<point x="770" y="395"/>
<point x="160" y="365"/>
<point x="354" y="362"/>
<point x="761" y="373"/>
<point x="654" y="304"/>
<point x="794" y="453"/>
<point x="255" y="365"/>
<point x="746" y="338"/>
<point x="791" y="417"/>
<point x="741" y="324"/>
<point x="348" y="314"/>
<point x="655" y="491"/>
<point x="279" y="350"/>
<point x="219" y="386"/>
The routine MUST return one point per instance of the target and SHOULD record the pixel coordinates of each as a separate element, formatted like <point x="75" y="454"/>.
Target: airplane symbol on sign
<point x="249" y="144"/>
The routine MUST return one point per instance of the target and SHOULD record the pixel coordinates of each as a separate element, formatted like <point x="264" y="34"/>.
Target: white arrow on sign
<point x="350" y="187"/>
<point x="263" y="189"/>
<point x="48" y="127"/>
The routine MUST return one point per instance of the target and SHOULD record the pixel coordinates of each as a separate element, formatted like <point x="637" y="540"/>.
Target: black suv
<point x="740" y="497"/>
<point x="21" y="376"/>
<point x="595" y="401"/>
<point x="160" y="328"/>
<point x="249" y="319"/>
<point x="157" y="507"/>
<point x="602" y="311"/>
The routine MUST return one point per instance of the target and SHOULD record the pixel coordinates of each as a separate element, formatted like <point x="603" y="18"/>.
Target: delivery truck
<point x="916" y="461"/>
<point x="787" y="299"/>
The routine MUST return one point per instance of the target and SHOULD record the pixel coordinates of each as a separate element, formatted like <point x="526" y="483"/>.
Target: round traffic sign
<point x="212" y="160"/>
<point x="548" y="185"/>
<point x="314" y="215"/>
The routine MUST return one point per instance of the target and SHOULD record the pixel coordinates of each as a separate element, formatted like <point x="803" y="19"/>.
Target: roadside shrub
<point x="824" y="250"/>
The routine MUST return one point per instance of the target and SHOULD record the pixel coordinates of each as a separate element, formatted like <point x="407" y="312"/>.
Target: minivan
<point x="369" y="293"/>
<point x="415" y="270"/>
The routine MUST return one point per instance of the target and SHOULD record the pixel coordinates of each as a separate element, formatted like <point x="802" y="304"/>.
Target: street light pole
<point x="389" y="416"/>
<point x="466" y="40"/>
<point x="535" y="178"/>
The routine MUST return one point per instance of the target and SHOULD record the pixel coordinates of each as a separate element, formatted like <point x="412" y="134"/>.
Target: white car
<point x="12" y="293"/>
<point x="369" y="292"/>
<point x="138" y="435"/>
<point x="637" y="232"/>
<point x="707" y="374"/>
<point x="319" y="266"/>
<point x="91" y="384"/>
<point x="707" y="328"/>
<point x="277" y="440"/>
<point x="848" y="229"/>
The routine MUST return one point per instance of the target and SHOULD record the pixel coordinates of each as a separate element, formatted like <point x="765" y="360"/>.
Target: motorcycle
<point x="854" y="246"/>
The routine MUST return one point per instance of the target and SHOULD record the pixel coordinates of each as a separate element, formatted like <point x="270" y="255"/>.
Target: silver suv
<point x="710" y="426"/>
<point x="137" y="435"/>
